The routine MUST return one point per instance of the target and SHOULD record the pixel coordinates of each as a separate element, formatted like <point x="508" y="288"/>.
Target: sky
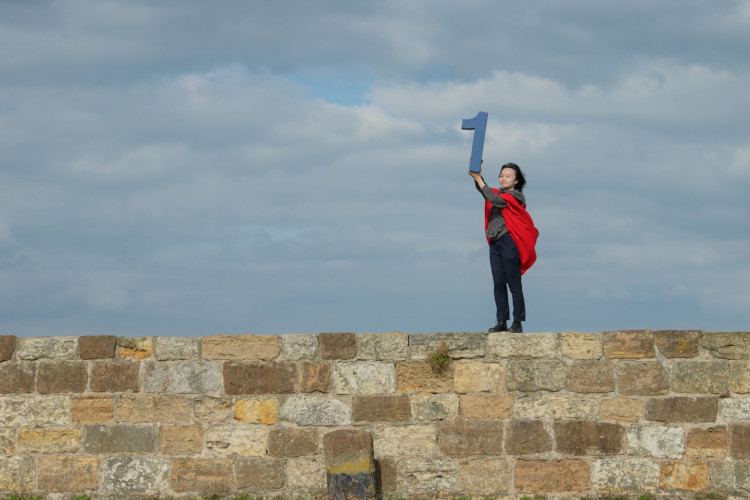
<point x="189" y="168"/>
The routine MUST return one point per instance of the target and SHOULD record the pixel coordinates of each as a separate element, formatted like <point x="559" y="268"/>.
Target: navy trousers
<point x="505" y="262"/>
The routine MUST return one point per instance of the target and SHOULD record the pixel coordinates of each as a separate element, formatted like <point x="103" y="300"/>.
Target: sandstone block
<point x="202" y="475"/>
<point x="485" y="476"/>
<point x="690" y="476"/>
<point x="16" y="473"/>
<point x="631" y="344"/>
<point x="727" y="345"/>
<point x="621" y="409"/>
<point x="240" y="347"/>
<point x="148" y="408"/>
<point x="62" y="473"/>
<point x="391" y="346"/>
<point x="729" y="476"/>
<point x="524" y="345"/>
<point x="41" y="440"/>
<point x="625" y="475"/>
<point x="658" y="441"/>
<point x="388" y="474"/>
<point x="364" y="377"/>
<point x="682" y="409"/>
<point x="115" y="376"/>
<point x="16" y="411"/>
<point x="130" y="474"/>
<point x="739" y="441"/>
<point x="306" y="475"/>
<point x="739" y="373"/>
<point x="732" y="409"/>
<point x="299" y="346"/>
<point x="245" y="441"/>
<point x="700" y="377"/>
<point x="641" y="379"/>
<point x="475" y="376"/>
<point x="381" y="408"/>
<point x="419" y="377"/>
<point x="17" y="377"/>
<point x="461" y="345"/>
<point x="289" y="442"/>
<point x="592" y="376"/>
<point x="525" y="437"/>
<point x="156" y="376"/>
<point x="310" y="410"/>
<point x="196" y="377"/>
<point x="554" y="406"/>
<point x="61" y="376"/>
<point x="260" y="474"/>
<point x="176" y="348"/>
<point x="119" y="439"/>
<point x="463" y="438"/>
<point x="212" y="410"/>
<point x="434" y="406"/>
<point x="425" y="475"/>
<point x="30" y="349"/>
<point x="181" y="440"/>
<point x="338" y="345"/>
<point x="350" y="466"/>
<point x="552" y="476"/>
<point x="97" y="346"/>
<point x="7" y="441"/>
<point x="7" y="347"/>
<point x="260" y="410"/>
<point x="314" y="377"/>
<point x="404" y="441"/>
<point x="529" y="375"/>
<point x="93" y="409"/>
<point x="678" y="343"/>
<point x="589" y="438"/>
<point x="486" y="406"/>
<point x="138" y="348"/>
<point x="278" y="377"/>
<point x="707" y="443"/>
<point x="581" y="345"/>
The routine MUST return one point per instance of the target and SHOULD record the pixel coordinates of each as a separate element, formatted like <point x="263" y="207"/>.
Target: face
<point x="508" y="178"/>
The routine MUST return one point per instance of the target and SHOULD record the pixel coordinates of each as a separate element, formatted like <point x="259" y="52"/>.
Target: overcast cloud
<point x="193" y="168"/>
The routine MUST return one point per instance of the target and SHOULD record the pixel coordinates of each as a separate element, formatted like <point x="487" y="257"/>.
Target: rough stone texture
<point x="435" y="406"/>
<point x="678" y="343"/>
<point x="727" y="345"/>
<point x="7" y="347"/>
<point x="260" y="474"/>
<point x="707" y="443"/>
<point x="657" y="441"/>
<point x="740" y="376"/>
<point x="67" y="473"/>
<point x="690" y="476"/>
<point x="30" y="349"/>
<point x="364" y="377"/>
<point x="259" y="410"/>
<point x="260" y="378"/>
<point x="734" y="409"/>
<point x="338" y="345"/>
<point x="138" y="348"/>
<point x="527" y="436"/>
<point x="632" y="344"/>
<point x="289" y="442"/>
<point x="486" y="406"/>
<point x="622" y="409"/>
<point x="391" y="346"/>
<point x="381" y="408"/>
<point x="475" y="376"/>
<point x="196" y="377"/>
<point x="119" y="439"/>
<point x="581" y="345"/>
<point x="314" y="377"/>
<point x="17" y="377"/>
<point x="486" y="476"/>
<point x="617" y="475"/>
<point x="589" y="438"/>
<point x="555" y="406"/>
<point x="115" y="376"/>
<point x="552" y="476"/>
<point x="729" y="476"/>
<point x="246" y="441"/>
<point x="40" y="440"/>
<point x="463" y="438"/>
<point x="682" y="409"/>
<point x="176" y="348"/>
<point x="212" y="410"/>
<point x="202" y="475"/>
<point x="419" y="377"/>
<point x="156" y="377"/>
<point x="387" y="473"/>
<point x="529" y="375"/>
<point x="306" y="475"/>
<point x="739" y="441"/>
<point x="240" y="347"/>
<point x="7" y="441"/>
<point x="135" y="474"/>
<point x="350" y="466"/>
<point x="404" y="441"/>
<point x="16" y="473"/>
<point x="181" y="439"/>
<point x="97" y="346"/>
<point x="312" y="410"/>
<point x="700" y="377"/>
<point x="61" y="376"/>
<point x="641" y="379"/>
<point x="18" y="411"/>
<point x="418" y="474"/>
<point x="523" y="345"/>
<point x="461" y="345"/>
<point x="145" y="408"/>
<point x="298" y="346"/>
<point x="592" y="376"/>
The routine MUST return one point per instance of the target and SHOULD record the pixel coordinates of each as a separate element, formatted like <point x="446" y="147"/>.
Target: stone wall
<point x="566" y="414"/>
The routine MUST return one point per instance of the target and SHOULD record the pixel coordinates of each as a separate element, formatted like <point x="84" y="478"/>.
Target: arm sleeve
<point x="495" y="199"/>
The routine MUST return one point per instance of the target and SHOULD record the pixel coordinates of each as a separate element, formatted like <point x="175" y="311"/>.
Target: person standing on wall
<point x="512" y="237"/>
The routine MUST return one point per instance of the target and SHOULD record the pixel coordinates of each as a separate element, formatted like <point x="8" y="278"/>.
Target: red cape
<point x="520" y="226"/>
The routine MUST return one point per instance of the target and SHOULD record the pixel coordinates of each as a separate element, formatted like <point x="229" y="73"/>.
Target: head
<point x="511" y="177"/>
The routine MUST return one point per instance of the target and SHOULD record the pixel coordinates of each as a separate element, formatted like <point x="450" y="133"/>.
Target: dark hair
<point x="519" y="175"/>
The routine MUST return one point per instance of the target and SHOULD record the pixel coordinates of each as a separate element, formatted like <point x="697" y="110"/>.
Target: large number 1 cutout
<point x="478" y="124"/>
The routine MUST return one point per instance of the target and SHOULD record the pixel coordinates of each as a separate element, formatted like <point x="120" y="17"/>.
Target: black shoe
<point x="501" y="326"/>
<point x="516" y="327"/>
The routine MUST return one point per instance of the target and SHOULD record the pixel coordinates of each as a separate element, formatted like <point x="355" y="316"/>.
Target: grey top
<point x="496" y="226"/>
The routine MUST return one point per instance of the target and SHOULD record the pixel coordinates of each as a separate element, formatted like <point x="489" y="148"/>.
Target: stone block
<point x="381" y="408"/>
<point x="391" y="346"/>
<point x="311" y="410"/>
<point x="241" y="377"/>
<point x="740" y="376"/>
<point x="138" y="348"/>
<point x="67" y="474"/>
<point x="93" y="409"/>
<point x="486" y="476"/>
<point x="621" y="409"/>
<point x="31" y="349"/>
<point x="41" y="440"/>
<point x="258" y="410"/>
<point x="552" y="476"/>
<point x="156" y="376"/>
<point x="289" y="442"/>
<point x="592" y="377"/>
<point x="524" y="345"/>
<point x="16" y="411"/>
<point x="678" y="343"/>
<point x="212" y="410"/>
<point x="244" y="441"/>
<point x="419" y="377"/>
<point x="338" y="345"/>
<point x="202" y="475"/>
<point x="387" y="473"/>
<point x="306" y="475"/>
<point x="475" y="376"/>
<point x="17" y="377"/>
<point x="128" y="474"/>
<point x="149" y="408"/>
<point x="350" y="466"/>
<point x="641" y="379"/>
<point x="525" y="437"/>
<point x="589" y="438"/>
<point x="97" y="346"/>
<point x="7" y="441"/>
<point x="656" y="441"/>
<point x="485" y="406"/>
<point x="464" y="438"/>
<point x="176" y="348"/>
<point x="240" y="347"/>
<point x="739" y="441"/>
<point x="682" y="409"/>
<point x="16" y="473"/>
<point x="115" y="376"/>
<point x="581" y="345"/>
<point x="299" y="346"/>
<point x="728" y="476"/>
<point x="529" y="375"/>
<point x="707" y="443"/>
<point x="426" y="475"/>
<point x="700" y="377"/>
<point x="732" y="409"/>
<point x="181" y="440"/>
<point x="260" y="474"/>
<point x="111" y="439"/>
<point x="314" y="377"/>
<point x="195" y="377"/>
<point x="630" y="344"/>
<point x="61" y="376"/>
<point x="690" y="476"/>
<point x="554" y="406"/>
<point x="434" y="406"/>
<point x="461" y="345"/>
<point x="7" y="347"/>
<point x="618" y="475"/>
<point x="727" y="345"/>
<point x="364" y="377"/>
<point x="405" y="441"/>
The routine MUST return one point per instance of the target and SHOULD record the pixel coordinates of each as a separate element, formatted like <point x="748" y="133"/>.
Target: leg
<point x="499" y="280"/>
<point x="512" y="267"/>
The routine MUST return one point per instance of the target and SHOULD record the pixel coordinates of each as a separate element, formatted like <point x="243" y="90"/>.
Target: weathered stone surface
<point x="581" y="345"/>
<point x="419" y="377"/>
<point x="419" y="474"/>
<point x="7" y="347"/>
<point x="728" y="476"/>
<point x="260" y="474"/>
<point x="484" y="476"/>
<point x="306" y="475"/>
<point x="387" y="472"/>
<point x="16" y="473"/>
<point x="41" y="440"/>
<point x="734" y="409"/>
<point x="700" y="377"/>
<point x="181" y="440"/>
<point x="678" y="343"/>
<point x="246" y="441"/>
<point x="485" y="406"/>
<point x="461" y="345"/>
<point x="625" y="475"/>
<point x="61" y="376"/>
<point x="707" y="443"/>
<point x="463" y="438"/>
<point x="589" y="438"/>
<point x="682" y="409"/>
<point x="292" y="442"/>
<point x="527" y="436"/>
<point x="524" y="345"/>
<point x="658" y="441"/>
<point x="554" y="406"/>
<point x="621" y="409"/>
<point x="404" y="441"/>
<point x="147" y="408"/>
<point x="592" y="376"/>
<point x="364" y="377"/>
<point x="260" y="377"/>
<point x="135" y="474"/>
<point x="259" y="410"/>
<point x="312" y="410"/>
<point x="314" y="377"/>
<point x="7" y="441"/>
<point x="119" y="439"/>
<point x="17" y="377"/>
<point x="156" y="376"/>
<point x="475" y="376"/>
<point x="391" y="346"/>
<point x="240" y="347"/>
<point x="176" y="348"/>
<point x="434" y="406"/>
<point x="727" y="345"/>
<point x="67" y="473"/>
<point x="350" y="466"/>
<point x="381" y="408"/>
<point x="196" y="377"/>
<point x="138" y="348"/>
<point x="202" y="475"/>
<point x="552" y="476"/>
<point x="298" y="346"/>
<point x="631" y="344"/>
<point x="115" y="376"/>
<point x="641" y="379"/>
<point x="690" y="476"/>
<point x="739" y="441"/>
<point x="212" y="410"/>
<point x="529" y="375"/>
<point x="97" y="346"/>
<point x="338" y="345"/>
<point x="47" y="348"/>
<point x="17" y="411"/>
<point x="739" y="372"/>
